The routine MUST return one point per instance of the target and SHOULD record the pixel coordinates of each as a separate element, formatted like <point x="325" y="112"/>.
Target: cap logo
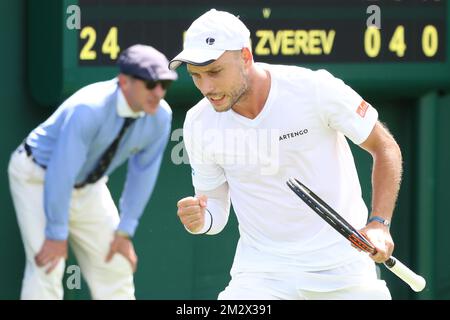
<point x="210" y="41"/>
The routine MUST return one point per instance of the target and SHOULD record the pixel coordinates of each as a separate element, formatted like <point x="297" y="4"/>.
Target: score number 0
<point x="110" y="45"/>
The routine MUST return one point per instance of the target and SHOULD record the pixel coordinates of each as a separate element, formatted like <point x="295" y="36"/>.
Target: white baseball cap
<point x="210" y="36"/>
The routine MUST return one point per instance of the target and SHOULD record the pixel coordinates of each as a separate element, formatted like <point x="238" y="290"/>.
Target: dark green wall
<point x="432" y="238"/>
<point x="176" y="265"/>
<point x="18" y="116"/>
<point x="442" y="216"/>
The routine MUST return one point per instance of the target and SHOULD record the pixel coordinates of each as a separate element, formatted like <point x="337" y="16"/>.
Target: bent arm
<point x="386" y="178"/>
<point x="142" y="174"/>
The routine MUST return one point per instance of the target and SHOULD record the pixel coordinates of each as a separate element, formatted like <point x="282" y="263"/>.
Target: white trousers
<point x="93" y="219"/>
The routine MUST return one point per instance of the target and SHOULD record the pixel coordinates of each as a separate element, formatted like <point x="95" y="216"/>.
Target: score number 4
<point x="372" y="41"/>
<point x="110" y="45"/>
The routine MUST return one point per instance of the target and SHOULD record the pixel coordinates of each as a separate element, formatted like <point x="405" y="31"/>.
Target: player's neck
<point x="255" y="98"/>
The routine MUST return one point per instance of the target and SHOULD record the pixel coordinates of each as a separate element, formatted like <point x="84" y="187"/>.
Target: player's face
<point x="224" y="82"/>
<point x="144" y="96"/>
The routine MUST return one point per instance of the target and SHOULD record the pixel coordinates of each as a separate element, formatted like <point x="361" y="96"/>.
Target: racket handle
<point x="415" y="281"/>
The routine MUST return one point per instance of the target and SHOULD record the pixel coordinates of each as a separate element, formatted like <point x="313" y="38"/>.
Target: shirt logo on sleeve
<point x="362" y="109"/>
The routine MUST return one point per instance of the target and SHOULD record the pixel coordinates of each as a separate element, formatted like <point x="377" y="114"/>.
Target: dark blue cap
<point x="145" y="62"/>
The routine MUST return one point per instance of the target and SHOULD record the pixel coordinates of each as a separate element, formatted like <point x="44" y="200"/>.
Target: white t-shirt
<point x="299" y="133"/>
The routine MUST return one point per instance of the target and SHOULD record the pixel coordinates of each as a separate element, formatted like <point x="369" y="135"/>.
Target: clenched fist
<point x="191" y="211"/>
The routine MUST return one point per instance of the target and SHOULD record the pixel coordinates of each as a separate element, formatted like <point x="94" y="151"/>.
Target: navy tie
<point x="106" y="157"/>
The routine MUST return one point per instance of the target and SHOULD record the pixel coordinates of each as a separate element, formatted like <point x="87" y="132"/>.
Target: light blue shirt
<point x="72" y="140"/>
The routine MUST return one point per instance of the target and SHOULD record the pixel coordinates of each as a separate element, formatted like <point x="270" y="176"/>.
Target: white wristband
<point x="206" y="226"/>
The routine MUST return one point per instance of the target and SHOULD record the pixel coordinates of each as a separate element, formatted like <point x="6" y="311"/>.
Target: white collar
<point x="124" y="110"/>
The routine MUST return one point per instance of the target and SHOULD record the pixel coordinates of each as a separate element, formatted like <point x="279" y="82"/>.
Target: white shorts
<point x="309" y="285"/>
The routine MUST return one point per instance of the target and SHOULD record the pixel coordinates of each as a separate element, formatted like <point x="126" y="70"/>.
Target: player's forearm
<point x="386" y="179"/>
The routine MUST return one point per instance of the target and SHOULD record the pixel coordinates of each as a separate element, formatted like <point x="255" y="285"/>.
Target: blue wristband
<point x="385" y="222"/>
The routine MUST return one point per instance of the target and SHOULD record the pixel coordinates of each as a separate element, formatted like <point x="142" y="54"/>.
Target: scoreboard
<point x="392" y="47"/>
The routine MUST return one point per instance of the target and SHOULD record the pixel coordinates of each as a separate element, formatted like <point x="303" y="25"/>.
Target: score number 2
<point x="110" y="45"/>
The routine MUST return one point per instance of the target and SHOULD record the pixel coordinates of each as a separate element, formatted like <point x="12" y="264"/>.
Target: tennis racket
<point x="416" y="282"/>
